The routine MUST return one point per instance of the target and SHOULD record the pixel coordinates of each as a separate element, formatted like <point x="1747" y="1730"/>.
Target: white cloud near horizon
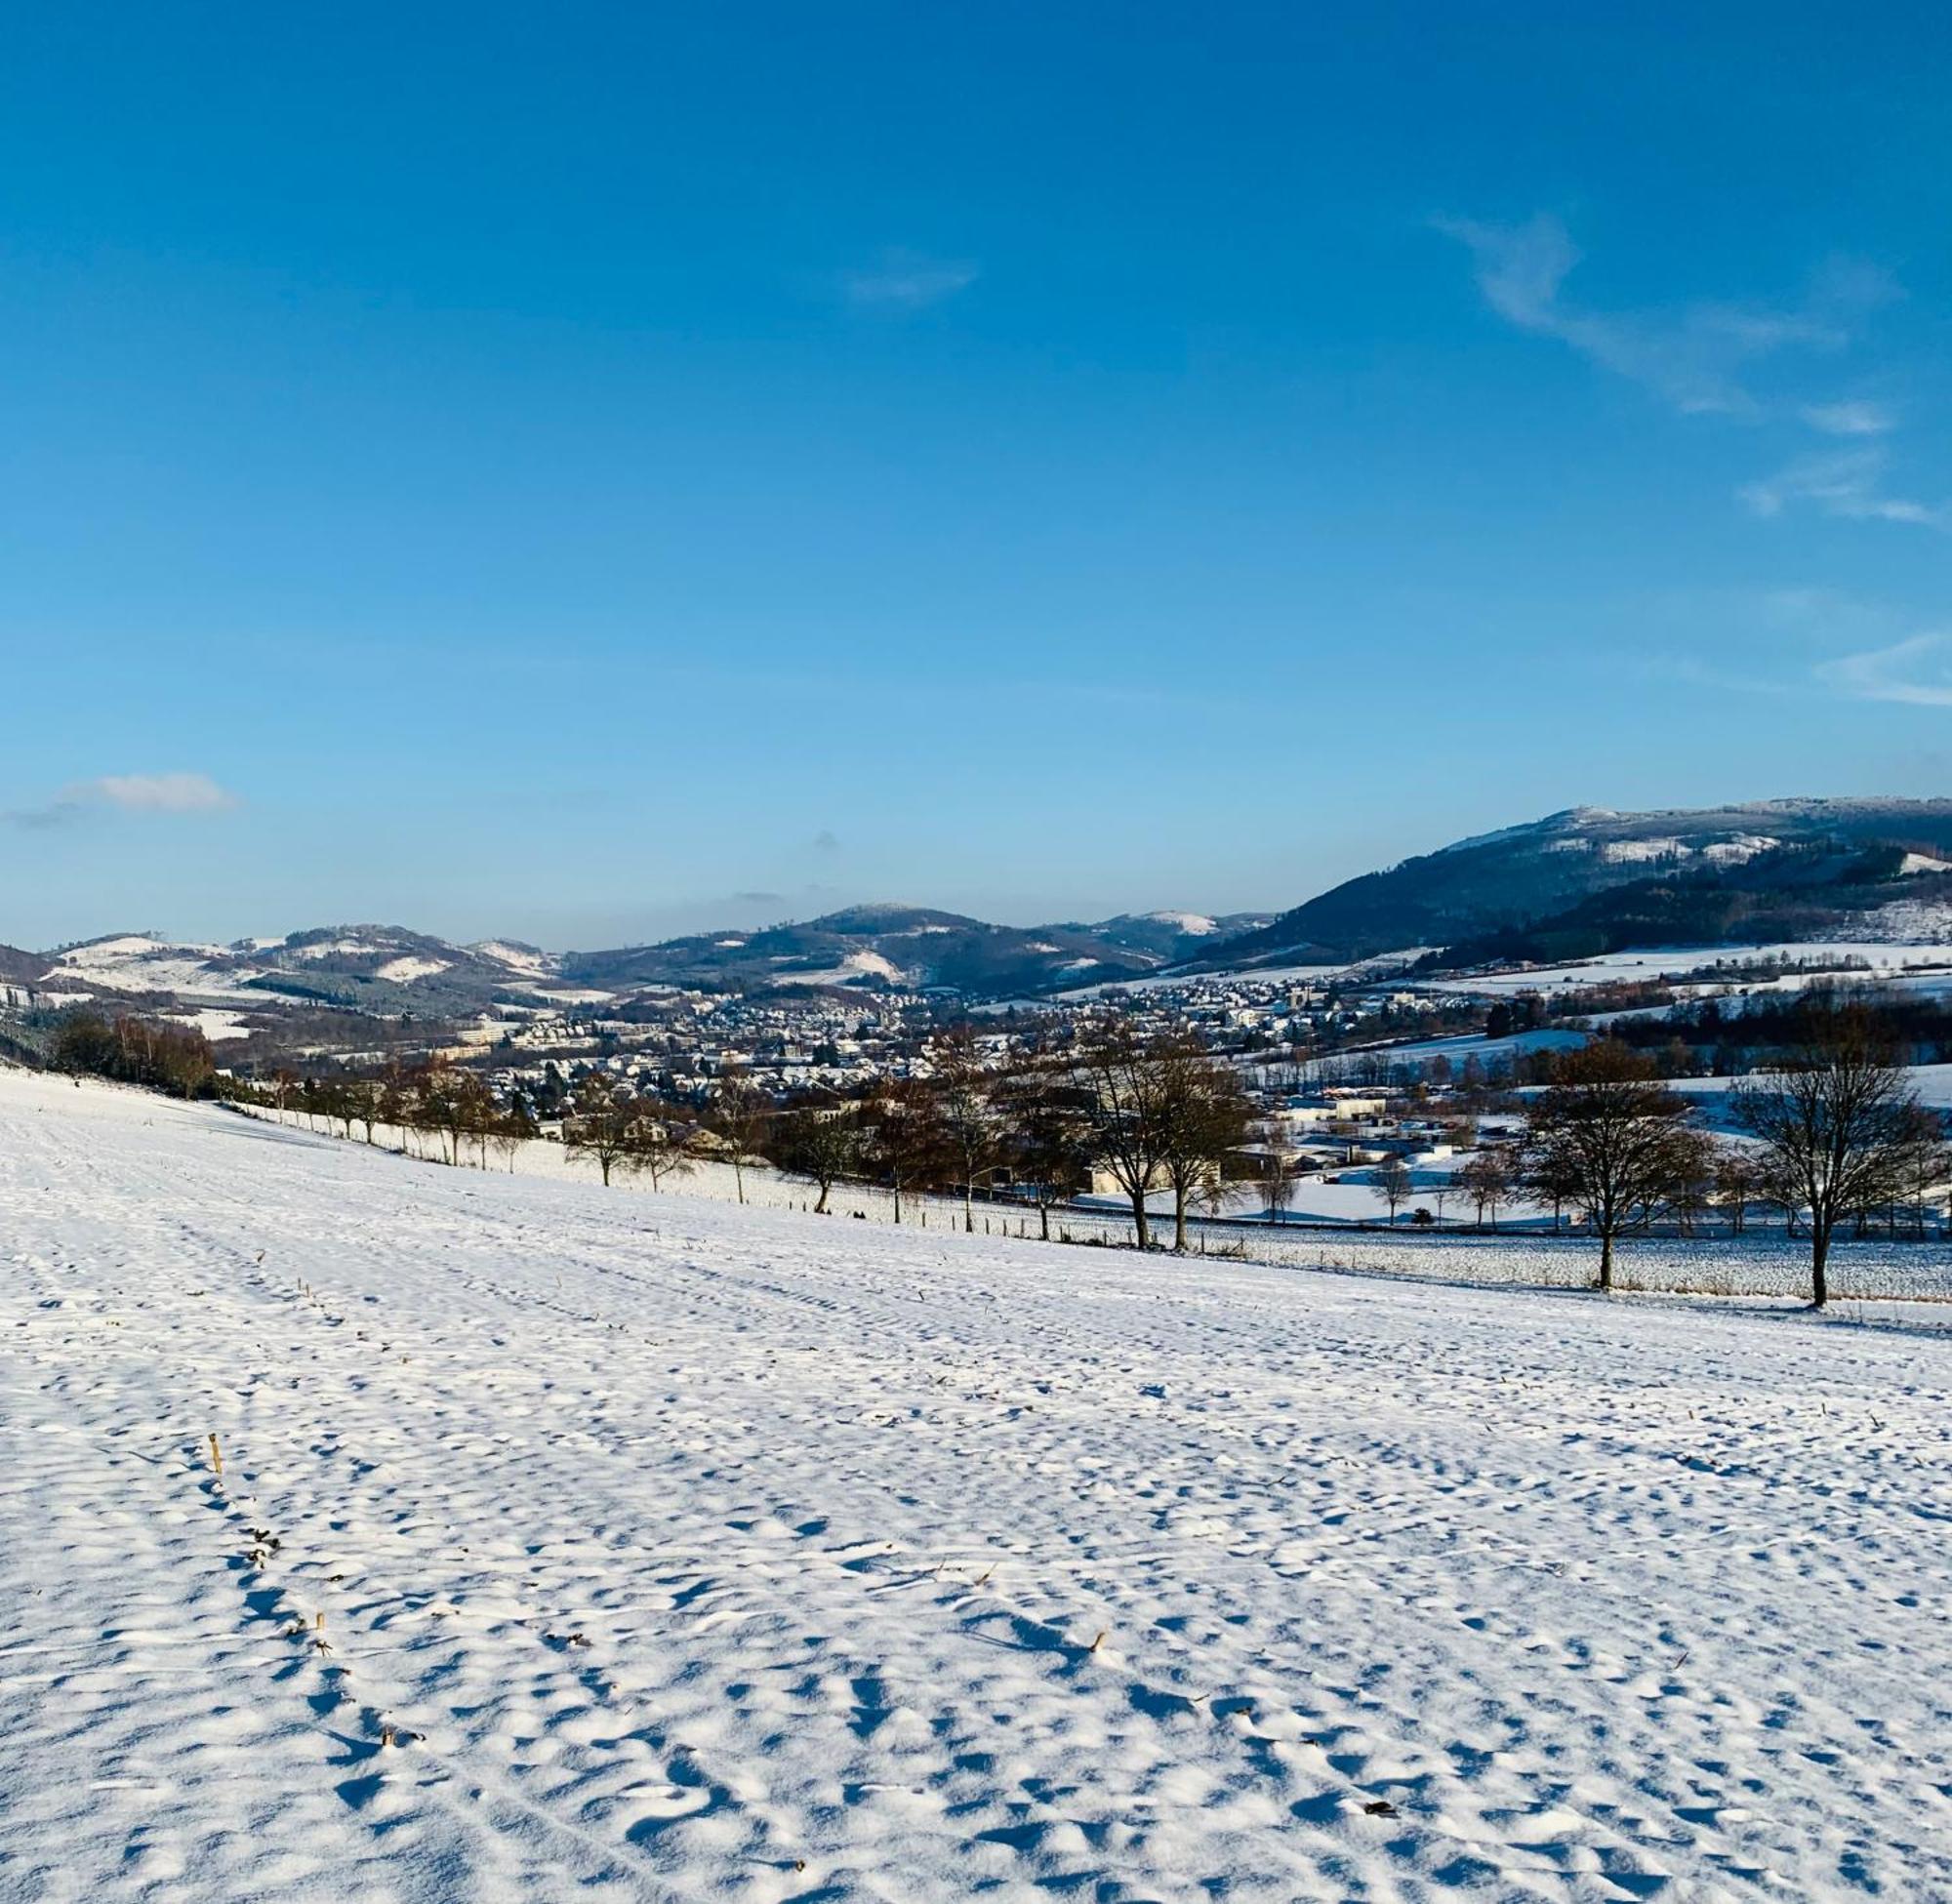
<point x="170" y="794"/>
<point x="162" y="793"/>
<point x="908" y="280"/>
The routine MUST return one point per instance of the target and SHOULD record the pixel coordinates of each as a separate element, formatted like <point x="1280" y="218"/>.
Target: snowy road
<point x="693" y="1553"/>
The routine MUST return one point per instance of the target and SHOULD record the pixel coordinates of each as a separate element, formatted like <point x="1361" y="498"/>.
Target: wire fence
<point x="1765" y="1261"/>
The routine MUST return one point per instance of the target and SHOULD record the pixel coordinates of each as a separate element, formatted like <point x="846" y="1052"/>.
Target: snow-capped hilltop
<point x="376" y="967"/>
<point x="1171" y="936"/>
<point x="142" y="962"/>
<point x="1581" y="881"/>
<point x="1753" y="855"/>
<point x="886" y="944"/>
<point x="530" y="961"/>
<point x="875" y="946"/>
<point x="390" y="967"/>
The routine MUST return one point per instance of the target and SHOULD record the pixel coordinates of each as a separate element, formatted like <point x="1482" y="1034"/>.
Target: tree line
<point x="1835" y="1132"/>
<point x="174" y="1059"/>
<point x="449" y="1109"/>
<point x="1156" y="1115"/>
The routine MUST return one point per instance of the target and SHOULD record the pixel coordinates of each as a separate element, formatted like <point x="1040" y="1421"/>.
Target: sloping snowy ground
<point x="1866" y="1274"/>
<point x="713" y="1552"/>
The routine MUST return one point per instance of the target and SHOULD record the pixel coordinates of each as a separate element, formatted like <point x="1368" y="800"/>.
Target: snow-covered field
<point x="1855" y="958"/>
<point x="138" y="962"/>
<point x="691" y="1551"/>
<point x="1931" y="1084"/>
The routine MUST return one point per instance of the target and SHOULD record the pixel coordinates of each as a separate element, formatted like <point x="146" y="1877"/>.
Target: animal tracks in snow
<point x="776" y="1561"/>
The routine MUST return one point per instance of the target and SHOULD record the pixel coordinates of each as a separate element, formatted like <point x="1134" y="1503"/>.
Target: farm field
<point x="573" y="1543"/>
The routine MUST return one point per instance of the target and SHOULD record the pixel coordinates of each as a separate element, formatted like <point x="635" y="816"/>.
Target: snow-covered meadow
<point x="686" y="1551"/>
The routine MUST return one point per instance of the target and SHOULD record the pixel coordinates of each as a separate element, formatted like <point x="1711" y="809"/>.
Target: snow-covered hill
<point x="684" y="1551"/>
<point x="1768" y="869"/>
<point x="871" y="947"/>
<point x="142" y="962"/>
<point x="378" y="967"/>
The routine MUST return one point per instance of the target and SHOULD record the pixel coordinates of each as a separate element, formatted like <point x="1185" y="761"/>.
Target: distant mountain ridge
<point x="1581" y="881"/>
<point x="1528" y="875"/>
<point x="384" y="969"/>
<point x="392" y="971"/>
<point x="912" y="946"/>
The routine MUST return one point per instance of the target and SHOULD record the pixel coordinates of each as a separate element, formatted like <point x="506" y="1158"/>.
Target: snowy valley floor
<point x="697" y="1552"/>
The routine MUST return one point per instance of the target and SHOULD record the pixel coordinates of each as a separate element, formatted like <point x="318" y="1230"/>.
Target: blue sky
<point x="588" y="472"/>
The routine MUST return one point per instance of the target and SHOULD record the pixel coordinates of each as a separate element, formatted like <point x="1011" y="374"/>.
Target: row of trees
<point x="1835" y="1131"/>
<point x="442" y="1105"/>
<point x="1158" y="1116"/>
<point x="170" y="1058"/>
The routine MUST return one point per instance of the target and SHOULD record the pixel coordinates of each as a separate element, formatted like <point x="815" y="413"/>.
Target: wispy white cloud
<point x="175" y="794"/>
<point x="162" y="793"/>
<point x="1693" y="670"/>
<point x="1852" y="417"/>
<point x="1692" y="356"/>
<point x="1845" y="483"/>
<point x="1916" y="671"/>
<point x="908" y="280"/>
<point x="1803" y="643"/>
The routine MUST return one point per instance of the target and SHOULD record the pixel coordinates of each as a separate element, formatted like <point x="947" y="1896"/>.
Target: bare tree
<point x="604" y="1125"/>
<point x="965" y="1110"/>
<point x="1551" y="1179"/>
<point x="1205" y="1117"/>
<point x="1839" y="1128"/>
<point x="516" y="1127"/>
<point x="1696" y="1173"/>
<point x="367" y="1096"/>
<point x="666" y="1143"/>
<point x="1393" y="1180"/>
<point x="1046" y="1117"/>
<point x="1607" y="1134"/>
<point x="476" y="1112"/>
<point x="449" y="1101"/>
<point x="738" y="1119"/>
<point x="818" y="1141"/>
<point x="1487" y="1179"/>
<point x="1127" y="1127"/>
<point x="396" y="1102"/>
<point x="904" y="1141"/>
<point x="1278" y="1170"/>
<point x="1737" y="1185"/>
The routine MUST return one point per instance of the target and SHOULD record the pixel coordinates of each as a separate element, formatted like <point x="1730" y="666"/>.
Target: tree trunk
<point x="1139" y="1227"/>
<point x="820" y="1208"/>
<point x="1179" y="1220"/>
<point x="1043" y="1217"/>
<point x="1606" y="1258"/>
<point x="1820" y="1259"/>
<point x="603" y="1164"/>
<point x="968" y="1210"/>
